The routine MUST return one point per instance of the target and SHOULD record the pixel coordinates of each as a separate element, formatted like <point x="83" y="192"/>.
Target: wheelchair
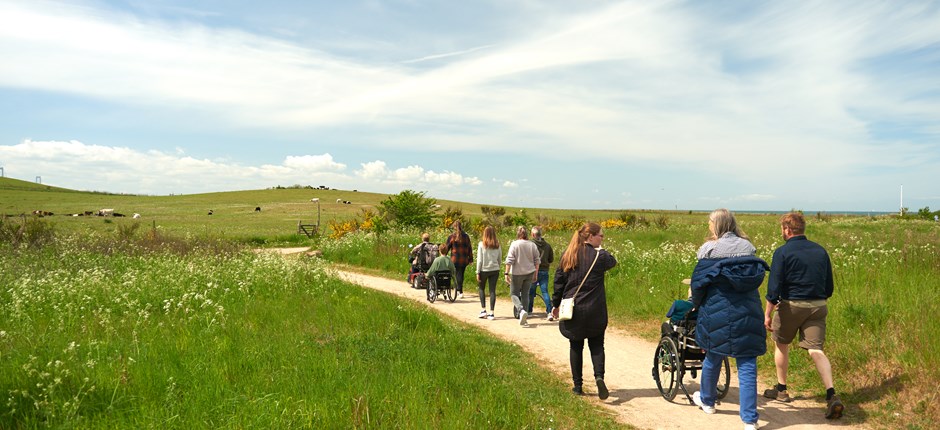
<point x="441" y="284"/>
<point x="678" y="353"/>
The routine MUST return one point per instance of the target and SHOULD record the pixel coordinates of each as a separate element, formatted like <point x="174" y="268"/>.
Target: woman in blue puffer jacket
<point x="730" y="321"/>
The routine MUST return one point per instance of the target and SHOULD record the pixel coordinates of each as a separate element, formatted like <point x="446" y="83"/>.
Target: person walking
<point x="546" y="257"/>
<point x="800" y="283"/>
<point x="489" y="255"/>
<point x="580" y="275"/>
<point x="461" y="253"/>
<point x="522" y="262"/>
<point x="725" y="290"/>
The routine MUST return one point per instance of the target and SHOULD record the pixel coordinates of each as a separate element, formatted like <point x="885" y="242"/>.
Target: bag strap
<point x="586" y="274"/>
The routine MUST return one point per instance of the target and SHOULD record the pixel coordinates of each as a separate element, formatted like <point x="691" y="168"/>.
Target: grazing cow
<point x="118" y="215"/>
<point x="347" y="202"/>
<point x="136" y="216"/>
<point x="257" y="208"/>
<point x="106" y="212"/>
<point x="210" y="211"/>
<point x="88" y="213"/>
<point x="339" y="200"/>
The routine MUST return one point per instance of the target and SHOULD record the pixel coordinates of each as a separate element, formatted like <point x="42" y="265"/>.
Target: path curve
<point x="634" y="398"/>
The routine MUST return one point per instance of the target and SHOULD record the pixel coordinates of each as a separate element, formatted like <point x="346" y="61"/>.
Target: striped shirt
<point x="728" y="245"/>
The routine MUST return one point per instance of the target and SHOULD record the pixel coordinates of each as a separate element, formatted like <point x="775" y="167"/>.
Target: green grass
<point x="133" y="338"/>
<point x="880" y="336"/>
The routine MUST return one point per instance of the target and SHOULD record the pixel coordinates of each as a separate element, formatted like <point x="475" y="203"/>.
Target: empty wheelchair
<point x="441" y="284"/>
<point x="678" y="353"/>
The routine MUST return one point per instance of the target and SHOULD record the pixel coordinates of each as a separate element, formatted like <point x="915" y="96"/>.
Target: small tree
<point x="409" y="209"/>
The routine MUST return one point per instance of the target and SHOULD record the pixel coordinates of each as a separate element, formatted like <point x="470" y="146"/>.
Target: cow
<point x="210" y="211"/>
<point x="136" y="216"/>
<point x="339" y="201"/>
<point x="106" y="212"/>
<point x="257" y="208"/>
<point x="118" y="215"/>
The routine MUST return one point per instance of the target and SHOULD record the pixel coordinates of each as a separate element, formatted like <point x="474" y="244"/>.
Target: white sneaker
<point x="483" y="314"/>
<point x="550" y="318"/>
<point x="459" y="295"/>
<point x="751" y="426"/>
<point x="523" y="318"/>
<point x="491" y="317"/>
<point x="697" y="399"/>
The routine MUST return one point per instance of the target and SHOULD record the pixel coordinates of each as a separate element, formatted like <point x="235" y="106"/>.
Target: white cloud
<point x="510" y="184"/>
<point x="121" y="169"/>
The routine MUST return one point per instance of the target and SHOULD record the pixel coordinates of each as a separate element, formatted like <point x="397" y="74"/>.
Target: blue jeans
<point x="542" y="281"/>
<point x="747" y="384"/>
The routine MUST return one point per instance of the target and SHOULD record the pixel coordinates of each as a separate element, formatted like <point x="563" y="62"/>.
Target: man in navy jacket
<point x="800" y="282"/>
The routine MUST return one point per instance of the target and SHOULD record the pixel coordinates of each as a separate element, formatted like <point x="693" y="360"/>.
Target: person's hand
<point x="555" y="313"/>
<point x="478" y="277"/>
<point x="767" y="322"/>
<point x="508" y="278"/>
<point x="535" y="276"/>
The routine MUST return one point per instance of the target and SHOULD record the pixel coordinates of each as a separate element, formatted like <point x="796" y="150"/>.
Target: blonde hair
<point x="723" y="221"/>
<point x="522" y="232"/>
<point x="489" y="238"/>
<point x="569" y="260"/>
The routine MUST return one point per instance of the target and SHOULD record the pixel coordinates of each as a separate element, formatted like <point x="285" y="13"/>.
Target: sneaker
<point x="482" y="314"/>
<point x="834" y="408"/>
<point x="780" y="396"/>
<point x="550" y="318"/>
<point x="523" y="318"/>
<point x="459" y="295"/>
<point x="577" y="390"/>
<point x="697" y="399"/>
<point x="491" y="317"/>
<point x="751" y="426"/>
<point x="602" y="392"/>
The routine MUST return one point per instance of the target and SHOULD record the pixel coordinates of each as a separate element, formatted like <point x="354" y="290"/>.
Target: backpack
<point x="426" y="255"/>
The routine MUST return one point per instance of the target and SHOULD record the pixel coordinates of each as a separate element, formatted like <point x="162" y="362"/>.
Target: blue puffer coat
<point x="730" y="316"/>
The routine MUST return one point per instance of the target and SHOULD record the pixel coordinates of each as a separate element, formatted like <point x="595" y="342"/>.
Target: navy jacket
<point x="730" y="317"/>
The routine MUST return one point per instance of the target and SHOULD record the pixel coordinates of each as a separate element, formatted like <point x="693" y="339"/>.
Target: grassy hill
<point x="234" y="214"/>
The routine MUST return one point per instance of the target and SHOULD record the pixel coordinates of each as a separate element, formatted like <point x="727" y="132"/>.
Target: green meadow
<point x="170" y="321"/>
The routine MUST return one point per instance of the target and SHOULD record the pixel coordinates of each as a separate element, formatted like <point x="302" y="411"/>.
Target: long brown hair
<point x="569" y="260"/>
<point x="489" y="238"/>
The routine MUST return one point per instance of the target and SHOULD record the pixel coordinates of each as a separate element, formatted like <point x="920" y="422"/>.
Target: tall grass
<point x="880" y="334"/>
<point x="104" y="333"/>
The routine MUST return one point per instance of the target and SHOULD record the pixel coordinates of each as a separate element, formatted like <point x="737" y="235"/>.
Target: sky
<point x="756" y="105"/>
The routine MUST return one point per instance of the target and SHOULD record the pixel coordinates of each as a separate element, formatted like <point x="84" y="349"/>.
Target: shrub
<point x="30" y="232"/>
<point x="408" y="209"/>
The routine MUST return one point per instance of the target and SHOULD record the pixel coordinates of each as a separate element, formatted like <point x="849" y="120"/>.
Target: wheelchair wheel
<point x="666" y="368"/>
<point x="724" y="378"/>
<point x="432" y="292"/>
<point x="450" y="292"/>
<point x="417" y="280"/>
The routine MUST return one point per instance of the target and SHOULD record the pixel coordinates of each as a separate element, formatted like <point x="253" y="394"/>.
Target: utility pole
<point x="39" y="179"/>
<point x="902" y="200"/>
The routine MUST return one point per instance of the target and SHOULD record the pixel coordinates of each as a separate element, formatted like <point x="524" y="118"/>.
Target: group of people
<point x="732" y="323"/>
<point x="724" y="291"/>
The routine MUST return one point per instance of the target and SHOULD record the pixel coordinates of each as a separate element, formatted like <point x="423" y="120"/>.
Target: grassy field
<point x="98" y="333"/>
<point x="880" y="336"/>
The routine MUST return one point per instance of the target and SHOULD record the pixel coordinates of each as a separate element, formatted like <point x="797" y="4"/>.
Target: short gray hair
<point x="536" y="231"/>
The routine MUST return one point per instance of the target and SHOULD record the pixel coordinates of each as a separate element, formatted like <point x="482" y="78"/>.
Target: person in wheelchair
<point x="442" y="264"/>
<point x="421" y="256"/>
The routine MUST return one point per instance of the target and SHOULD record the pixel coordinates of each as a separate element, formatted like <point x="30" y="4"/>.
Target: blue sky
<point x="828" y="105"/>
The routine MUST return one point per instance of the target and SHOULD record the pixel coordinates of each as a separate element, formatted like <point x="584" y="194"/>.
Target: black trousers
<point x="576" y="356"/>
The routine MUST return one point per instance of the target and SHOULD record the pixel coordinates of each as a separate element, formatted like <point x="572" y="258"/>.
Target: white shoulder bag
<point x="566" y="309"/>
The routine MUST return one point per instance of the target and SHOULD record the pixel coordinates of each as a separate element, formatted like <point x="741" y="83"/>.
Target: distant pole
<point x="39" y="179"/>
<point x="1" y="172"/>
<point x="902" y="200"/>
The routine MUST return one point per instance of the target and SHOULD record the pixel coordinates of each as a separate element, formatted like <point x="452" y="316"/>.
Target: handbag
<point x="566" y="309"/>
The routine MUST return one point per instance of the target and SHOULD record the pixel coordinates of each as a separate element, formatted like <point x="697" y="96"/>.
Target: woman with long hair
<point x="461" y="253"/>
<point x="581" y="276"/>
<point x="489" y="255"/>
<point x="730" y="323"/>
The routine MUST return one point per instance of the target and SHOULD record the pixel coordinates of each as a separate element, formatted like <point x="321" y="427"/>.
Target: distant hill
<point x="18" y="185"/>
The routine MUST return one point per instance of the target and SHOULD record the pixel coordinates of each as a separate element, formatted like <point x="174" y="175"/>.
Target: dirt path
<point x="634" y="398"/>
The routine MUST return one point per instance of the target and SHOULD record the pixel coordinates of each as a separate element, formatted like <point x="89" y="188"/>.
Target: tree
<point x="409" y="209"/>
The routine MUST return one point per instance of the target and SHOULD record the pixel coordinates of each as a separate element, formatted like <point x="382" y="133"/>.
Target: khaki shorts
<point x="808" y="321"/>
